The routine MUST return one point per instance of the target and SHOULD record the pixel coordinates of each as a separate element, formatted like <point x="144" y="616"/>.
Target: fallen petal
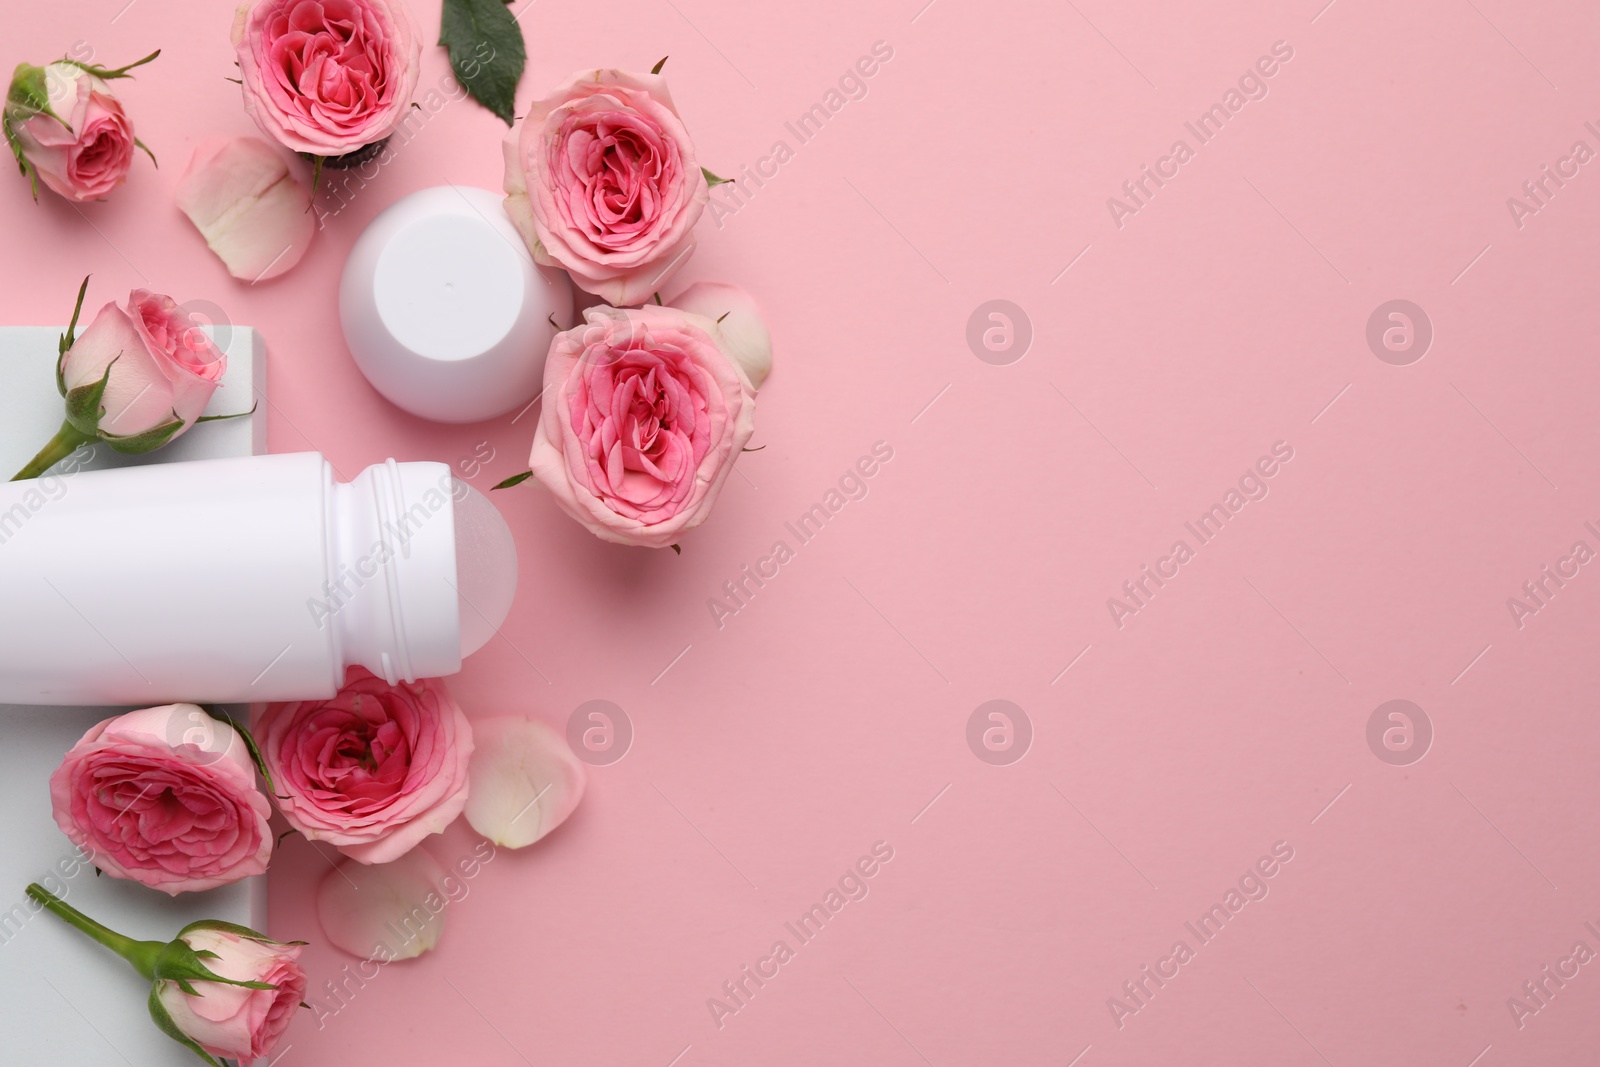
<point x="741" y="331"/>
<point x="241" y="196"/>
<point x="524" y="780"/>
<point x="385" y="911"/>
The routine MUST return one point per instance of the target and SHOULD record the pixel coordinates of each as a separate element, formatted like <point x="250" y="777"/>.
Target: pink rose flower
<point x="165" y="797"/>
<point x="228" y="1020"/>
<point x="372" y="771"/>
<point x="644" y="415"/>
<point x="602" y="180"/>
<point x="327" y="77"/>
<point x="163" y="370"/>
<point x="81" y="144"/>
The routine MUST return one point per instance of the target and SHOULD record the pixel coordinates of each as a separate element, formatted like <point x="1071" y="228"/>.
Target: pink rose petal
<point x="525" y="780"/>
<point x="252" y="212"/>
<point x="386" y="911"/>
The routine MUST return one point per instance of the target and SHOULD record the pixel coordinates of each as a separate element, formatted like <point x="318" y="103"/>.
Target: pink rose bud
<point x="239" y="1022"/>
<point x="602" y="181"/>
<point x="740" y="331"/>
<point x="643" y="417"/>
<point x="165" y="797"/>
<point x="327" y="77"/>
<point x="67" y="130"/>
<point x="252" y="212"/>
<point x="135" y="378"/>
<point x="217" y="989"/>
<point x="373" y="770"/>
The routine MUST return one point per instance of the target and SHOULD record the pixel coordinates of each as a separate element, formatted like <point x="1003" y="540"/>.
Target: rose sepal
<point x="110" y="74"/>
<point x="28" y="95"/>
<point x="260" y="762"/>
<point x="237" y="930"/>
<point x="84" y="404"/>
<point x="177" y="962"/>
<point x="140" y="443"/>
<point x="64" y="342"/>
<point x="163" y="1020"/>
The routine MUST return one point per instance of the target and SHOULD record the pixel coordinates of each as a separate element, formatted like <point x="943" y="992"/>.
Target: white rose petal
<point x="242" y="198"/>
<point x="741" y="332"/>
<point x="524" y="780"/>
<point x="384" y="911"/>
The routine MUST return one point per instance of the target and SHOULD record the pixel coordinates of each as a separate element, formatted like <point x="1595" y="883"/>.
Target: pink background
<point x="1228" y="715"/>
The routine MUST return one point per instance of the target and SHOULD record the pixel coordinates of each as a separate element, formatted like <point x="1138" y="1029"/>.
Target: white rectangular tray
<point x="65" y="1001"/>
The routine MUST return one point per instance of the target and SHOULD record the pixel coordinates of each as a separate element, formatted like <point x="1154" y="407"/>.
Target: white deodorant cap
<point x="444" y="309"/>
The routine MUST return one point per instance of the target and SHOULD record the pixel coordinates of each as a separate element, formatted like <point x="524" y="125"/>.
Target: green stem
<point x="142" y="954"/>
<point x="66" y="441"/>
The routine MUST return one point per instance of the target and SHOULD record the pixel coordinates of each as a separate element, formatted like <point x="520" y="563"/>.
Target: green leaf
<point x="515" y="479"/>
<point x="712" y="180"/>
<point x="487" y="53"/>
<point x="659" y="64"/>
<point x="84" y="403"/>
<point x="163" y="1021"/>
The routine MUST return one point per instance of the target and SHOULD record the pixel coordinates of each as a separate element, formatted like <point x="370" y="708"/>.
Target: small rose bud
<point x="217" y="989"/>
<point x="740" y="331"/>
<point x="68" y="130"/>
<point x="239" y="1021"/>
<point x="136" y="378"/>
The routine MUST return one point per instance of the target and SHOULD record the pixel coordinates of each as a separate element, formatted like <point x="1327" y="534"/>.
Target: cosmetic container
<point x="444" y="309"/>
<point x="247" y="579"/>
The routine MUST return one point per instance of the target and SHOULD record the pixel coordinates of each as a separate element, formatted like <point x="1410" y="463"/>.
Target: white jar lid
<point x="444" y="309"/>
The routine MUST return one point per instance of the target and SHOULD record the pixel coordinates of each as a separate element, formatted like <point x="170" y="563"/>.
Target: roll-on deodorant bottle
<point x="238" y="580"/>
